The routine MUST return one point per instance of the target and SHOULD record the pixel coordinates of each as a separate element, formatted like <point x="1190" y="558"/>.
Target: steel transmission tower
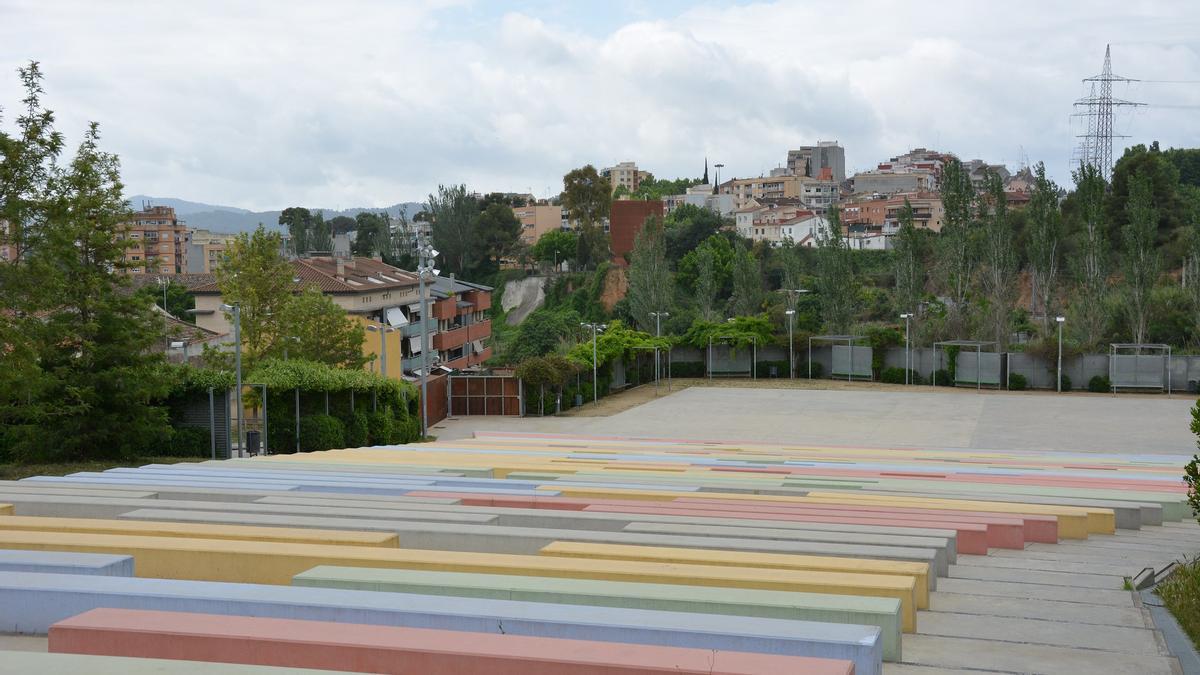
<point x="1096" y="146"/>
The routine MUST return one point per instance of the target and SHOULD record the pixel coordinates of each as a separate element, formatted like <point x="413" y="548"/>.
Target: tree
<point x="1045" y="242"/>
<point x="555" y="246"/>
<point x="321" y="330"/>
<point x="956" y="245"/>
<point x="747" y="297"/>
<point x="1191" y="268"/>
<point x="321" y="235"/>
<point x="179" y="300"/>
<point x="1140" y="258"/>
<point x="587" y="196"/>
<point x="1090" y="262"/>
<point x="910" y="272"/>
<point x="341" y="224"/>
<point x="836" y="283"/>
<point x="453" y="214"/>
<point x="999" y="260"/>
<point x="299" y="223"/>
<point x="706" y="284"/>
<point x="687" y="226"/>
<point x="256" y="277"/>
<point x="497" y="233"/>
<point x="650" y="287"/>
<point x="688" y="273"/>
<point x="81" y="343"/>
<point x="372" y="234"/>
<point x="1163" y="176"/>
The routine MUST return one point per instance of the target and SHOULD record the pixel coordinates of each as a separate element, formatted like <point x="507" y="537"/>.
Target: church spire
<point x="705" y="171"/>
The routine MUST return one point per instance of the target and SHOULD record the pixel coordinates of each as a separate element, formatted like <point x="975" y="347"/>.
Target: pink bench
<point x="386" y="649"/>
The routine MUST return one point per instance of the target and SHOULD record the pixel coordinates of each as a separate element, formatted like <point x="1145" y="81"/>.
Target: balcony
<point x="480" y="330"/>
<point x="414" y="329"/>
<point x="455" y="337"/>
<point x="413" y="363"/>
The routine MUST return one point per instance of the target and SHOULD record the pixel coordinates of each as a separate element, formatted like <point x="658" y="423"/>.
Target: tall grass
<point x="1181" y="594"/>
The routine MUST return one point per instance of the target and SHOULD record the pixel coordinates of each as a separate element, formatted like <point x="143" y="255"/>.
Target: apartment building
<point x="538" y="219"/>
<point x="743" y="190"/>
<point x="810" y="160"/>
<point x="387" y="299"/>
<point x="625" y="174"/>
<point x="206" y="250"/>
<point x="159" y="242"/>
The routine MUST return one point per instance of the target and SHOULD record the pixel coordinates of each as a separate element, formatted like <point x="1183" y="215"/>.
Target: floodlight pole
<point x="658" y="333"/>
<point x="791" y="315"/>
<point x="595" y="365"/>
<point x="907" y="348"/>
<point x="236" y="310"/>
<point x="1061" y="320"/>
<point x="424" y="268"/>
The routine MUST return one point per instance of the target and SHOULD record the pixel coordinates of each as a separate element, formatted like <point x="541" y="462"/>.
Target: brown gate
<point x="485" y="395"/>
<point x="437" y="398"/>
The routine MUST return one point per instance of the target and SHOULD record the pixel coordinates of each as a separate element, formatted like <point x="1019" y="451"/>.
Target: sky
<point x="266" y="104"/>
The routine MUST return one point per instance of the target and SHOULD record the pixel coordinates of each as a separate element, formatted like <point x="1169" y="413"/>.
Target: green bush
<point x="1099" y="384"/>
<point x="687" y="369"/>
<point x="188" y="442"/>
<point x="321" y="432"/>
<point x="1017" y="382"/>
<point x="942" y="378"/>
<point x="895" y="375"/>
<point x="817" y="370"/>
<point x="1066" y="382"/>
<point x="406" y="430"/>
<point x="358" y="430"/>
<point x="1181" y="594"/>
<point x="763" y="368"/>
<point x="379" y="427"/>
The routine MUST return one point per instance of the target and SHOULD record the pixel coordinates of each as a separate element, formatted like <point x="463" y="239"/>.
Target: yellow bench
<point x="697" y="556"/>
<point x="258" y="562"/>
<point x="147" y="528"/>
<point x="6" y="509"/>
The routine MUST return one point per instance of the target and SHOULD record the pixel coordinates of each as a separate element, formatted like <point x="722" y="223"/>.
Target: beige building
<point x="160" y="242"/>
<point x="537" y="220"/>
<point x="625" y="174"/>
<point x="743" y="190"/>
<point x="382" y="296"/>
<point x="206" y="250"/>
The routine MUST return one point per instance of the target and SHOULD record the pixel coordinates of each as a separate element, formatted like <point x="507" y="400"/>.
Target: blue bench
<point x="58" y="562"/>
<point x="31" y="603"/>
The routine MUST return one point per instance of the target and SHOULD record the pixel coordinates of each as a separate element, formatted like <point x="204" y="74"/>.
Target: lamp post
<point x="236" y="310"/>
<point x="596" y="328"/>
<point x="791" y="312"/>
<point x="658" y="333"/>
<point x="425" y="270"/>
<point x="907" y="347"/>
<point x="1060" y="320"/>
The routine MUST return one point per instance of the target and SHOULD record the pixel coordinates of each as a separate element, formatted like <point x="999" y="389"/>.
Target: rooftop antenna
<point x="1095" y="146"/>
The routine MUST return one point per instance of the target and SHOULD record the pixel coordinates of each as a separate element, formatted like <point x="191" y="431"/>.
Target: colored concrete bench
<point x="26" y="663"/>
<point x="277" y="563"/>
<point x="694" y="556"/>
<point x="55" y="562"/>
<point x="31" y="603"/>
<point x="69" y="506"/>
<point x="146" y="528"/>
<point x="389" y="649"/>
<point x="867" y="611"/>
<point x="6" y="509"/>
<point x="529" y="541"/>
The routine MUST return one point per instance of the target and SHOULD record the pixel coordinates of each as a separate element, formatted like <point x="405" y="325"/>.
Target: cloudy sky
<point x="339" y="104"/>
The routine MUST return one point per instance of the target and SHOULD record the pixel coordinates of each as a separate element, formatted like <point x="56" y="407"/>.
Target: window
<point x="137" y="257"/>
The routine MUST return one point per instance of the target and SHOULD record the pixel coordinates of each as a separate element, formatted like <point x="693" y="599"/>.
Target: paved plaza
<point x="906" y="532"/>
<point x="921" y="417"/>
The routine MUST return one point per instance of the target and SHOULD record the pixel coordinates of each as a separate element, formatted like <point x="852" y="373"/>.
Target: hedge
<point x="1017" y="382"/>
<point x="321" y="432"/>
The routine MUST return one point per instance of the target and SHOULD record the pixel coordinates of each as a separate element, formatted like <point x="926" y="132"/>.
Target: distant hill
<point x="233" y="219"/>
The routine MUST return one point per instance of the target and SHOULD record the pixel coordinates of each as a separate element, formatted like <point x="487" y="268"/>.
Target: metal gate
<point x="485" y="395"/>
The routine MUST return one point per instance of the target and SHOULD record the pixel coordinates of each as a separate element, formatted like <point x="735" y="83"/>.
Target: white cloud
<point x="368" y="103"/>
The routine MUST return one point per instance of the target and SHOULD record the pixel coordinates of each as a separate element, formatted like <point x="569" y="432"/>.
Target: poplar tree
<point x="650" y="282"/>
<point x="1045" y="243"/>
<point x="1141" y="260"/>
<point x="999" y="283"/>
<point x="836" y="283"/>
<point x="1090" y="262"/>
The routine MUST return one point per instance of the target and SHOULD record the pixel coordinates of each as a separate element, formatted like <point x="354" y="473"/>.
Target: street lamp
<point x="1061" y="320"/>
<point x="596" y="328"/>
<point x="236" y="310"/>
<point x="907" y="348"/>
<point x="658" y="333"/>
<point x="425" y="270"/>
<point x="791" y="314"/>
<point x="383" y="331"/>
